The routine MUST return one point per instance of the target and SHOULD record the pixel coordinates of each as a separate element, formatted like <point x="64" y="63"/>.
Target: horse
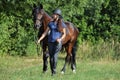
<point x="41" y="20"/>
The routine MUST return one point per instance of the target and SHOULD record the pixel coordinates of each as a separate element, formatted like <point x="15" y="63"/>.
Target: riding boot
<point x="54" y="67"/>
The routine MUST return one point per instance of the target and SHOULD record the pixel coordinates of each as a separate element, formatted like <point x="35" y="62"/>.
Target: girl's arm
<point x="43" y="35"/>
<point x="63" y="35"/>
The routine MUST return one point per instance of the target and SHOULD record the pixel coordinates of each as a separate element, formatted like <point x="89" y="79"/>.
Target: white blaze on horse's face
<point x="38" y="22"/>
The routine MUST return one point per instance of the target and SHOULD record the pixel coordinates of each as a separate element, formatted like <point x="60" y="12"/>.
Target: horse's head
<point x="37" y="16"/>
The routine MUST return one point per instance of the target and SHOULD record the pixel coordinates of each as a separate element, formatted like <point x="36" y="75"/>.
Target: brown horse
<point x="41" y="20"/>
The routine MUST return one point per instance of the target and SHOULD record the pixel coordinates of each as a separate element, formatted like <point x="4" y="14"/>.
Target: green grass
<point x="30" y="68"/>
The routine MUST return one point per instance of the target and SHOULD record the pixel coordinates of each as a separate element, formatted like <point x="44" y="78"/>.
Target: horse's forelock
<point x="37" y="9"/>
<point x="41" y="6"/>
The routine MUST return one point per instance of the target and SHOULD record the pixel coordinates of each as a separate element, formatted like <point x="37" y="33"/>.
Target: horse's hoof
<point x="62" y="72"/>
<point x="74" y="71"/>
<point x="45" y="71"/>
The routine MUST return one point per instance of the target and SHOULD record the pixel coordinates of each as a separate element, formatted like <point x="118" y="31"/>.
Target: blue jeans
<point x="54" y="48"/>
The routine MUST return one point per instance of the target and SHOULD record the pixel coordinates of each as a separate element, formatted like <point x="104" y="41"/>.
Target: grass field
<point x="30" y="68"/>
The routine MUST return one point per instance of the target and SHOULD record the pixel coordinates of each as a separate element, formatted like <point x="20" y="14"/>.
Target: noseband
<point x="40" y="21"/>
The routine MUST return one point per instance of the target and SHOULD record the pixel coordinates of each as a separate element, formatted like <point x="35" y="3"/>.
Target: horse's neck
<point x="46" y="20"/>
<point x="60" y="26"/>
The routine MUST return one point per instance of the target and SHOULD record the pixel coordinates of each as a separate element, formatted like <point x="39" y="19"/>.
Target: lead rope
<point x="38" y="46"/>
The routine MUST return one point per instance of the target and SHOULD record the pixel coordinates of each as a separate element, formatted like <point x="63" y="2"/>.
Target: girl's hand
<point x="38" y="41"/>
<point x="59" y="40"/>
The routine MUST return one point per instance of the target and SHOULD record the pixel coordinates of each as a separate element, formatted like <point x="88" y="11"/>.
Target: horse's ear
<point x="34" y="6"/>
<point x="41" y="6"/>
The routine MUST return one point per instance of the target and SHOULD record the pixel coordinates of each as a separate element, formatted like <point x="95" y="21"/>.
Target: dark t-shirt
<point x="54" y="32"/>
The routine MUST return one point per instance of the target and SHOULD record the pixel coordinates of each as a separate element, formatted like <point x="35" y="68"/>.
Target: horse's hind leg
<point x="68" y="57"/>
<point x="73" y="61"/>
<point x="64" y="67"/>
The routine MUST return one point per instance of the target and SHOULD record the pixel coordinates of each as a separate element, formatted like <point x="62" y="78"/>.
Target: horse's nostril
<point x="37" y="26"/>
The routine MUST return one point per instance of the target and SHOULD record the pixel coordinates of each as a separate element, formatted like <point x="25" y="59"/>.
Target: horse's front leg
<point x="45" y="61"/>
<point x="45" y="57"/>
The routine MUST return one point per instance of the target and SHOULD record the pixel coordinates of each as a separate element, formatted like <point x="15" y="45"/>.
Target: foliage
<point x="96" y="19"/>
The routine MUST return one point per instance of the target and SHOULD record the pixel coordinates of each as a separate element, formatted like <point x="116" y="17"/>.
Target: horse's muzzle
<point x="37" y="26"/>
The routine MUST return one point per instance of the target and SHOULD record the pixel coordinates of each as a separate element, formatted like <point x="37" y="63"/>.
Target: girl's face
<point x="55" y="17"/>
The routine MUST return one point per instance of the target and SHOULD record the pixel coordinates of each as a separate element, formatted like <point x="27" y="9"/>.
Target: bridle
<point x="40" y="20"/>
<point x="38" y="47"/>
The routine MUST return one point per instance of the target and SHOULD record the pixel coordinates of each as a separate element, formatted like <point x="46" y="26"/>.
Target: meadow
<point x="30" y="68"/>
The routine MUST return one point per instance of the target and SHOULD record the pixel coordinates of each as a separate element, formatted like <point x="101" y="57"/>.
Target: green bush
<point x="97" y="20"/>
